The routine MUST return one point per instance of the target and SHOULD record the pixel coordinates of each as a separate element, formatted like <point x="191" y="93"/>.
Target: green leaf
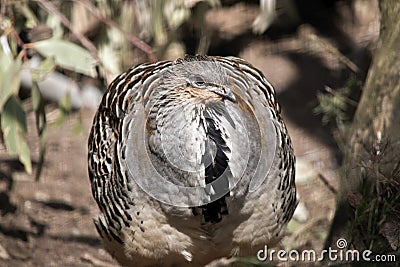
<point x="78" y="126"/>
<point x="13" y="125"/>
<point x="41" y="126"/>
<point x="45" y="67"/>
<point x="64" y="109"/>
<point x="31" y="19"/>
<point x="36" y="97"/>
<point x="65" y="103"/>
<point x="67" y="55"/>
<point x="9" y="77"/>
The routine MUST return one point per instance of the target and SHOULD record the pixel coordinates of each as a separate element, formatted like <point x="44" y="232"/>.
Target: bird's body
<point x="190" y="161"/>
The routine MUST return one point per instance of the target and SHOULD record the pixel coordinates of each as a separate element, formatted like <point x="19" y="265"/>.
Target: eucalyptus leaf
<point x="67" y="55"/>
<point x="65" y="103"/>
<point x="25" y="10"/>
<point x="45" y="67"/>
<point x="9" y="77"/>
<point x="78" y="126"/>
<point x="14" y="128"/>
<point x="53" y="21"/>
<point x="41" y="126"/>
<point x="36" y="96"/>
<point x="64" y="109"/>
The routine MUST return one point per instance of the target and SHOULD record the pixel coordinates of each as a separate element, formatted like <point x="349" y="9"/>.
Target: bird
<point x="189" y="162"/>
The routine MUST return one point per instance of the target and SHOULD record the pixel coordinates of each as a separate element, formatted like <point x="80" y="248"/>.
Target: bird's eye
<point x="198" y="81"/>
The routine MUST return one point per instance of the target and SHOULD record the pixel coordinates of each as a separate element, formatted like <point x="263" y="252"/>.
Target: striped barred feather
<point x="207" y="122"/>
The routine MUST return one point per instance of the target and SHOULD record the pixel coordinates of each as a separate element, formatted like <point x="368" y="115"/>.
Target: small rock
<point x="75" y="232"/>
<point x="301" y="213"/>
<point x="41" y="196"/>
<point x="21" y="177"/>
<point x="27" y="204"/>
<point x="305" y="172"/>
<point x="3" y="253"/>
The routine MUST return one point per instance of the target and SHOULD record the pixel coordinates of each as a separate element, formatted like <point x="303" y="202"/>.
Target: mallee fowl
<point x="190" y="161"/>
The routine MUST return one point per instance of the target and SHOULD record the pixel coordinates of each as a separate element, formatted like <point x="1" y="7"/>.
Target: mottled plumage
<point x="208" y="125"/>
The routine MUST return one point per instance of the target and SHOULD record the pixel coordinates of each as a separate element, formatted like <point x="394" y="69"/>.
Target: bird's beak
<point x="225" y="92"/>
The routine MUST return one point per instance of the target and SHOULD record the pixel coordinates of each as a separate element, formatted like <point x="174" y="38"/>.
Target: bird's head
<point x="198" y="81"/>
<point x="198" y="86"/>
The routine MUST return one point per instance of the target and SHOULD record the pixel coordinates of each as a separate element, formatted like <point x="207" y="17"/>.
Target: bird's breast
<point x="181" y="137"/>
<point x="200" y="140"/>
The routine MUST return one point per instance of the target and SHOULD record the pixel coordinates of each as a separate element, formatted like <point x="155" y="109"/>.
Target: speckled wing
<point x="104" y="148"/>
<point x="258" y="98"/>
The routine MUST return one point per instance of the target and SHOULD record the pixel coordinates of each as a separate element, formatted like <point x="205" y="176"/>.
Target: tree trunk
<point x="368" y="211"/>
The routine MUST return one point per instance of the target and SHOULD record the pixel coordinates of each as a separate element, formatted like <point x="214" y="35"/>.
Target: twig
<point x="325" y="181"/>
<point x="310" y="33"/>
<point x="132" y="38"/>
<point x="3" y="8"/>
<point x="23" y="53"/>
<point x="346" y="99"/>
